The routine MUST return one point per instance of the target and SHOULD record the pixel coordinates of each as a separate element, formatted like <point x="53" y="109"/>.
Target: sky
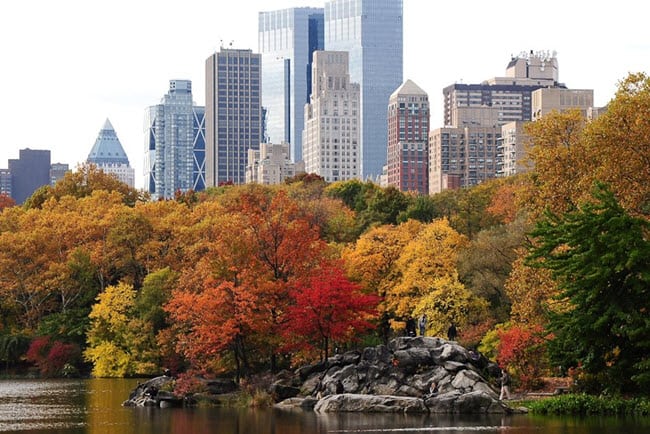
<point x="68" y="65"/>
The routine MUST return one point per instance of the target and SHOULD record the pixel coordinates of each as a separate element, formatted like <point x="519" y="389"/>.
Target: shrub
<point x="583" y="404"/>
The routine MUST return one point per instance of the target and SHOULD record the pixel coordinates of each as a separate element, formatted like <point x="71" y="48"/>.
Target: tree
<point x="328" y="307"/>
<point x="486" y="262"/>
<point x="372" y="262"/>
<point x="83" y="182"/>
<point x="600" y="257"/>
<point x="562" y="173"/>
<point x="447" y="301"/>
<point x="6" y="201"/>
<point x="431" y="255"/>
<point x="108" y="344"/>
<point x="618" y="141"/>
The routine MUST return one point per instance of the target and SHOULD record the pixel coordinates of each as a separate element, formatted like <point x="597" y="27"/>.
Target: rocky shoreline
<point x="394" y="378"/>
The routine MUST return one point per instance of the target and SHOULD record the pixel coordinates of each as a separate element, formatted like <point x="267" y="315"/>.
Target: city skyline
<point x="66" y="73"/>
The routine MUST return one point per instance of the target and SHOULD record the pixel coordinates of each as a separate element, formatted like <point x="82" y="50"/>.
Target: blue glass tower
<point x="372" y="32"/>
<point x="175" y="143"/>
<point x="287" y="40"/>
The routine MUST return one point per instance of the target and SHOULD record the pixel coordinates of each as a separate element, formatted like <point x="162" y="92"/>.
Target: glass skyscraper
<point x="108" y="155"/>
<point x="372" y="32"/>
<point x="287" y="40"/>
<point x="175" y="143"/>
<point x="233" y="114"/>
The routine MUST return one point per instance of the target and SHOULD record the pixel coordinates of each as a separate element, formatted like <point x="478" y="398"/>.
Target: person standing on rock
<point x="410" y="327"/>
<point x="422" y="324"/>
<point x="505" y="385"/>
<point x="452" y="332"/>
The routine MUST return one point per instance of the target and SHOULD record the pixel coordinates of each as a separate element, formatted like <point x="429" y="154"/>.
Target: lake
<point x="94" y="406"/>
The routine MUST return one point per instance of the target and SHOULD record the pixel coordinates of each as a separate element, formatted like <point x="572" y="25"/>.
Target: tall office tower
<point x="28" y="173"/>
<point x="408" y="136"/>
<point x="174" y="143"/>
<point x="372" y="32"/>
<point x="287" y="39"/>
<point x="462" y="156"/>
<point x="108" y="155"/>
<point x="233" y="114"/>
<point x="331" y="136"/>
<point x="501" y="100"/>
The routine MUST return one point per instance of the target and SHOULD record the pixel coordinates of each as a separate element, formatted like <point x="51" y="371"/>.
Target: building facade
<point x="500" y="100"/>
<point x="233" y="114"/>
<point x="331" y="135"/>
<point x="108" y="155"/>
<point x="287" y="40"/>
<point x="29" y="172"/>
<point x="462" y="156"/>
<point x="407" y="158"/>
<point x="174" y="143"/>
<point x="546" y="100"/>
<point x="58" y="171"/>
<point x="271" y="164"/>
<point x="371" y="31"/>
<point x="511" y="149"/>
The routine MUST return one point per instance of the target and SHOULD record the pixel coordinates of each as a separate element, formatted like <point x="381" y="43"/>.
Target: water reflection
<point x="94" y="407"/>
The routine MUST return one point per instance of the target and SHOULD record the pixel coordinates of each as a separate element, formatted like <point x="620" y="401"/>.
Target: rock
<point x="219" y="386"/>
<point x="349" y="402"/>
<point x="282" y="391"/>
<point x="297" y="403"/>
<point x="150" y="394"/>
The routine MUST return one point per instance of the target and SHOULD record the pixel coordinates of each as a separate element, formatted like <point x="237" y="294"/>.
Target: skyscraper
<point x="287" y="39"/>
<point x="174" y="143"/>
<point x="108" y="155"/>
<point x="233" y="114"/>
<point x="28" y="173"/>
<point x="331" y="134"/>
<point x="408" y="134"/>
<point x="372" y="32"/>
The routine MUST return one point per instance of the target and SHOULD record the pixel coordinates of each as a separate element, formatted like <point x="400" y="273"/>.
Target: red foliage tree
<point x="522" y="350"/>
<point x="328" y="307"/>
<point x="51" y="357"/>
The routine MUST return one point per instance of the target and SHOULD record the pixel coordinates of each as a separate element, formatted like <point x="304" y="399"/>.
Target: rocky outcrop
<point x="154" y="393"/>
<point x="397" y="378"/>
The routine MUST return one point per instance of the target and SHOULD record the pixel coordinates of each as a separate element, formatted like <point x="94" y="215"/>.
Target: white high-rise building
<point x="331" y="137"/>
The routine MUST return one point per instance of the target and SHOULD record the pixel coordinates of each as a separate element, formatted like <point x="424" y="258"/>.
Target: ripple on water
<point x="34" y="404"/>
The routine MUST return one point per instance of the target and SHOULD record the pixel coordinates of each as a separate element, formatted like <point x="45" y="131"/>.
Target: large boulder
<point x="349" y="402"/>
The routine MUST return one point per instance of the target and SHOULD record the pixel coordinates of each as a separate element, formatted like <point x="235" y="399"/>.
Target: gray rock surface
<point x="397" y="378"/>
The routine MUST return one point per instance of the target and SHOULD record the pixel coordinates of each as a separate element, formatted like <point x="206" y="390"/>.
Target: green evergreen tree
<point x="600" y="257"/>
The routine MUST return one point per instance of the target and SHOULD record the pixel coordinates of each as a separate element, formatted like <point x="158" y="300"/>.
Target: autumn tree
<point x="485" y="263"/>
<point x="618" y="141"/>
<point x="109" y="348"/>
<point x="599" y="255"/>
<point x="6" y="201"/>
<point x="214" y="323"/>
<point x="561" y="174"/>
<point x="431" y="255"/>
<point x="82" y="182"/>
<point x="372" y="262"/>
<point x="327" y="308"/>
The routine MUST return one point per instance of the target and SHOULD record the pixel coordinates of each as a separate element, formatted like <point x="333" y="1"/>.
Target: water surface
<point x="94" y="406"/>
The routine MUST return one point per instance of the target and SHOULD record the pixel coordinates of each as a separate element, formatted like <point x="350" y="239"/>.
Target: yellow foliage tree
<point x="448" y="301"/>
<point x="108" y="345"/>
<point x="431" y="255"/>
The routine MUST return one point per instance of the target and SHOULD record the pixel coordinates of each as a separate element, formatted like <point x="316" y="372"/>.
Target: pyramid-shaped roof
<point x="408" y="88"/>
<point x="107" y="149"/>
